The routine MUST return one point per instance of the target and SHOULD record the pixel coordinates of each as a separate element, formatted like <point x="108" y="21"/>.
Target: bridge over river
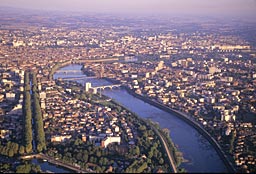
<point x="107" y="86"/>
<point x="67" y="71"/>
<point x="82" y="77"/>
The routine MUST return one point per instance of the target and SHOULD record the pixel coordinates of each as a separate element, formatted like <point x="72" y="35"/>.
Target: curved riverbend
<point x="191" y="122"/>
<point x="200" y="155"/>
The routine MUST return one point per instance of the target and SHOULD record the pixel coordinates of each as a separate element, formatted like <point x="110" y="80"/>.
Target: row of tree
<point x="39" y="125"/>
<point x="28" y="168"/>
<point x="13" y="148"/>
<point x="28" y="136"/>
<point x="10" y="149"/>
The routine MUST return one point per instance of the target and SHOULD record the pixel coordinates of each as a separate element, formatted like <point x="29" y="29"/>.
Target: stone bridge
<point x="107" y="87"/>
<point x="79" y="78"/>
<point x="68" y="71"/>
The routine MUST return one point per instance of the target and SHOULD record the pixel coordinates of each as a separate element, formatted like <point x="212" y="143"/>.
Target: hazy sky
<point x="188" y="7"/>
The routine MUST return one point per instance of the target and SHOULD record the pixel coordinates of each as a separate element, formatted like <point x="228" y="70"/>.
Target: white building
<point x="10" y="96"/>
<point x="60" y="138"/>
<point x="106" y="141"/>
<point x="88" y="85"/>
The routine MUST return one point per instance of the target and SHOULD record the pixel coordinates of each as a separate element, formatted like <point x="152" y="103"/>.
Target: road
<point x="166" y="149"/>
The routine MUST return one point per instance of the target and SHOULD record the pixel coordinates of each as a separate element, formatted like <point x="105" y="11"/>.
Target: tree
<point x="91" y="160"/>
<point x="79" y="156"/>
<point x="27" y="116"/>
<point x="28" y="148"/>
<point x="10" y="152"/>
<point x="142" y="128"/>
<point x="78" y="142"/>
<point x="15" y="147"/>
<point x="98" y="153"/>
<point x="69" y="155"/>
<point x="137" y="150"/>
<point x="39" y="147"/>
<point x="35" y="168"/>
<point x="150" y="154"/>
<point x="40" y="135"/>
<point x="5" y="167"/>
<point x="25" y="168"/>
<point x="161" y="161"/>
<point x="142" y="167"/>
<point x="105" y="161"/>
<point x="85" y="157"/>
<point x="21" y="150"/>
<point x="98" y="169"/>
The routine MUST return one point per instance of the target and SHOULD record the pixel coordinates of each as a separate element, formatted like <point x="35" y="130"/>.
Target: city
<point x="96" y="94"/>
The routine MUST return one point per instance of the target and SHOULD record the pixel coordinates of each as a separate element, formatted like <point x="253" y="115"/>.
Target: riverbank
<point x="164" y="143"/>
<point x="56" y="67"/>
<point x="194" y="124"/>
<point x="173" y="165"/>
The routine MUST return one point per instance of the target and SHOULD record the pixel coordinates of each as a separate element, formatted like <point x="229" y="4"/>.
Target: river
<point x="199" y="153"/>
<point x="47" y="167"/>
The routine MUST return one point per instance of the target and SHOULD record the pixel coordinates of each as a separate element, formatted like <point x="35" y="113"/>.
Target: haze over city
<point x="225" y="8"/>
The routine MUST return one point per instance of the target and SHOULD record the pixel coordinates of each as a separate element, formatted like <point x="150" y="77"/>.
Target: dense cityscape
<point x="200" y="70"/>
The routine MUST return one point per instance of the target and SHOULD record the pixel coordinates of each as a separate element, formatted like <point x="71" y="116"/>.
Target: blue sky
<point x="242" y="8"/>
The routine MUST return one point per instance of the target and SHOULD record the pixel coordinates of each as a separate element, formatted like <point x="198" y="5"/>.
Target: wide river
<point x="199" y="154"/>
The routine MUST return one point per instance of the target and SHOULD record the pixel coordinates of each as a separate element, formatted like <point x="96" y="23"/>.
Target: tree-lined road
<point x="166" y="149"/>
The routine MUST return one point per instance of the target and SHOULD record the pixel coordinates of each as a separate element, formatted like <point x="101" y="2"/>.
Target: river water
<point x="47" y="167"/>
<point x="199" y="153"/>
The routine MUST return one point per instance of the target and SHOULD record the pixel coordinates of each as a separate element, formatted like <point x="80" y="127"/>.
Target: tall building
<point x="102" y="71"/>
<point x="88" y="85"/>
